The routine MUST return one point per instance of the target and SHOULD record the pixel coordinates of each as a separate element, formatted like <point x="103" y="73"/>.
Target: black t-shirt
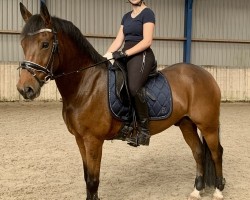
<point x="133" y="27"/>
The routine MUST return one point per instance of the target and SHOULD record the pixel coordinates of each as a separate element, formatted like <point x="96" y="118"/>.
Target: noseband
<point x="33" y="67"/>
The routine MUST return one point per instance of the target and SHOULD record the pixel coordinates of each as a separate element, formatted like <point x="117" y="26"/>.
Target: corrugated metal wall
<point x="103" y="18"/>
<point x="8" y="80"/>
<point x="11" y="21"/>
<point x="95" y="17"/>
<point x="99" y="20"/>
<point x="234" y="82"/>
<point x="213" y="19"/>
<point x="221" y="20"/>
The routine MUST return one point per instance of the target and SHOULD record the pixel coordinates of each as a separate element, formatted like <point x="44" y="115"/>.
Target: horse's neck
<point x="78" y="85"/>
<point x="82" y="85"/>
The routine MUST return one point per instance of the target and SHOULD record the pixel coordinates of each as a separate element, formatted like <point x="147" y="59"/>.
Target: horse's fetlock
<point x="199" y="183"/>
<point x="92" y="187"/>
<point x="220" y="183"/>
<point x="91" y="196"/>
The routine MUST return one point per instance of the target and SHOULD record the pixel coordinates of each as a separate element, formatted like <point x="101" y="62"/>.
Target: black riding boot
<point x="141" y="111"/>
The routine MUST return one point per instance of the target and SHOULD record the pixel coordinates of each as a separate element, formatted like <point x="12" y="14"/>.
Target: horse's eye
<point x="45" y="45"/>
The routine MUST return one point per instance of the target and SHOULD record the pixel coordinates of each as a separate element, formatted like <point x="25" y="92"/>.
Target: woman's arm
<point x="117" y="43"/>
<point x="148" y="32"/>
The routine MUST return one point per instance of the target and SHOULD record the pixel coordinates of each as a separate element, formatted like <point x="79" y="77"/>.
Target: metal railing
<point x="10" y="32"/>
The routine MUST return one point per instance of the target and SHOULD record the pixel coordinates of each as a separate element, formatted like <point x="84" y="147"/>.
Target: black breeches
<point x="139" y="67"/>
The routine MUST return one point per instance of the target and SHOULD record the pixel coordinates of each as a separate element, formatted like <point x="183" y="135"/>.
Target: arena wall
<point x="234" y="83"/>
<point x="220" y="37"/>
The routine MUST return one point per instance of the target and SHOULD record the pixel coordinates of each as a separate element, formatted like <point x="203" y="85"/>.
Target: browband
<point x="41" y="31"/>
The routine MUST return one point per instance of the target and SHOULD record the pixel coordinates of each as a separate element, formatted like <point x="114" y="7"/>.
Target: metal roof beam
<point x="188" y="31"/>
<point x="44" y="1"/>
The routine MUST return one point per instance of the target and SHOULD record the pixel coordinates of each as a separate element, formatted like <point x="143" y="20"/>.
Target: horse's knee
<point x="198" y="153"/>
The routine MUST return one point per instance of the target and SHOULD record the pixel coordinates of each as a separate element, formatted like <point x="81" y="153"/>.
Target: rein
<point x="33" y="67"/>
<point x="79" y="70"/>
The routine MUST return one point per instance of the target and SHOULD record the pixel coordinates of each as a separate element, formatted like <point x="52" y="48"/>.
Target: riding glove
<point x="119" y="55"/>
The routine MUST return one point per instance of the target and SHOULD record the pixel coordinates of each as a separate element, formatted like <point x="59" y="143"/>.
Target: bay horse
<point x="56" y="49"/>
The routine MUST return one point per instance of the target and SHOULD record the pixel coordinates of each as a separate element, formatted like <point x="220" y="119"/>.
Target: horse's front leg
<point x="91" y="152"/>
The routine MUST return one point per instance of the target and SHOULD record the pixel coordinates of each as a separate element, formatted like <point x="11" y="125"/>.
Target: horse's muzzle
<point x="27" y="92"/>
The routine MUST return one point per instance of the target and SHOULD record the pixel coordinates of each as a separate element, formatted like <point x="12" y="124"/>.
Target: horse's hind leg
<point x="91" y="153"/>
<point x="189" y="131"/>
<point x="211" y="135"/>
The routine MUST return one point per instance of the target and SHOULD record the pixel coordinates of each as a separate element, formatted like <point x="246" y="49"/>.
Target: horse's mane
<point x="36" y="23"/>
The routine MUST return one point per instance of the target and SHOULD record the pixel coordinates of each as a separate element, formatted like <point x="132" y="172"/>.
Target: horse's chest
<point x="77" y="122"/>
<point x="73" y="121"/>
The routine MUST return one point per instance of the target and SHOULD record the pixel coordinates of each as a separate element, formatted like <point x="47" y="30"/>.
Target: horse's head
<point x="40" y="45"/>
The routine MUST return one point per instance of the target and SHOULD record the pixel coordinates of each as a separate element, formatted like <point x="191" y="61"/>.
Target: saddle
<point x="158" y="93"/>
<point x="121" y="85"/>
<point x="158" y="97"/>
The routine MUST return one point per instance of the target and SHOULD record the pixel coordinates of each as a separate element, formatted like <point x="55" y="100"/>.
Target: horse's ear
<point x="45" y="14"/>
<point x="25" y="13"/>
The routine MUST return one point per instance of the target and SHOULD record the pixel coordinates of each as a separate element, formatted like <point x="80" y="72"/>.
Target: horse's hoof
<point x="195" y="195"/>
<point x="217" y="195"/>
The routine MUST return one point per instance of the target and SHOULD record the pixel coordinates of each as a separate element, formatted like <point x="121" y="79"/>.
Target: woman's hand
<point x="119" y="55"/>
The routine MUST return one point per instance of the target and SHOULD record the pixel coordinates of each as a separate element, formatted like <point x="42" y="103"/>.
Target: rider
<point x="137" y="28"/>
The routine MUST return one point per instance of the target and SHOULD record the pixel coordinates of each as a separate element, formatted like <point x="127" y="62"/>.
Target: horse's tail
<point x="209" y="167"/>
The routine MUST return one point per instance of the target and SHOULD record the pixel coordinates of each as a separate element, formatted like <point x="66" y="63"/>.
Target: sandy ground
<point x="39" y="159"/>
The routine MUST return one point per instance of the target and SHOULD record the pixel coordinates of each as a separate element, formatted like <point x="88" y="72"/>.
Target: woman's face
<point x="134" y="1"/>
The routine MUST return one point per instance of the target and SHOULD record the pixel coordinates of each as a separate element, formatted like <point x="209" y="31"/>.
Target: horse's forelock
<point x="34" y="24"/>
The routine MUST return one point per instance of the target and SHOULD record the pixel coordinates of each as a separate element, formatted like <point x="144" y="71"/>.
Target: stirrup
<point x="133" y="140"/>
<point x="124" y="132"/>
<point x="144" y="139"/>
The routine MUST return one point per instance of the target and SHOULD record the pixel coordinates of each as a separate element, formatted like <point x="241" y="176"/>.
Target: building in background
<point x="214" y="34"/>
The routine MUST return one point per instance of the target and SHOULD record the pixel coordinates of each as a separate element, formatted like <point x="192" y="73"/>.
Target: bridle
<point x="33" y="67"/>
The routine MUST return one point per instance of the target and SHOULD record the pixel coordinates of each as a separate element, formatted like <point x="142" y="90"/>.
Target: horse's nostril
<point x="28" y="90"/>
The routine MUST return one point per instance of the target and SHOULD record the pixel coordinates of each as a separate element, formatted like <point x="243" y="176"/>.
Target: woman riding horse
<point x="55" y="49"/>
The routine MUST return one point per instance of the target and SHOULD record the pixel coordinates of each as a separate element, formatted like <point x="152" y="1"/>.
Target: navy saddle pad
<point x="158" y="96"/>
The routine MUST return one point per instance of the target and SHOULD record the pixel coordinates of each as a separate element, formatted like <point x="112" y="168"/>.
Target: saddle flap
<point x="121" y="86"/>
